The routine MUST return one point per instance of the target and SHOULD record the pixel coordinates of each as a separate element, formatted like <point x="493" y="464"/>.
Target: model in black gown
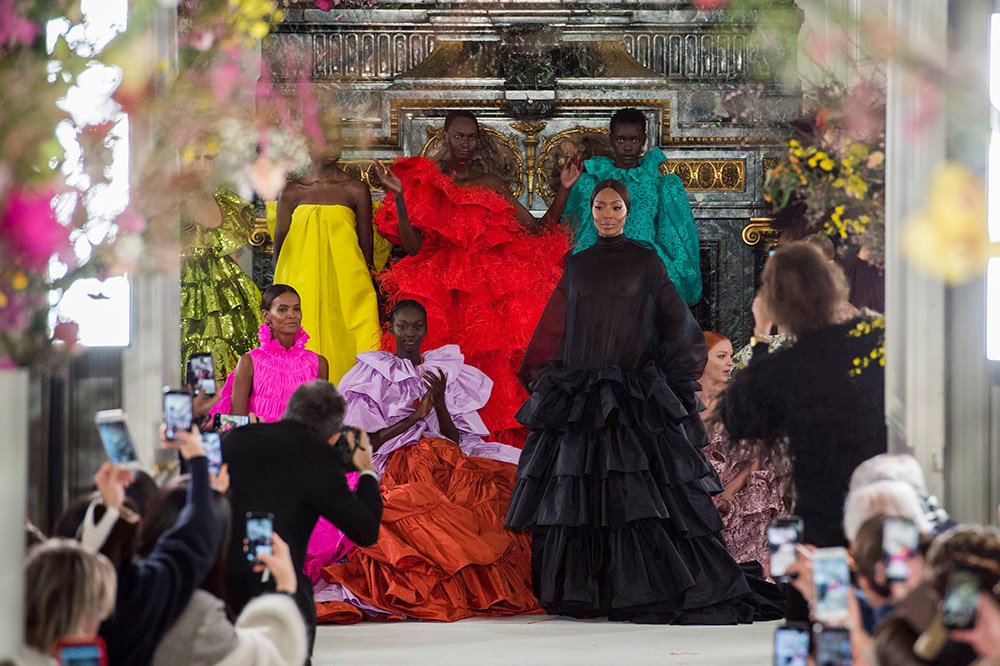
<point x="612" y="481"/>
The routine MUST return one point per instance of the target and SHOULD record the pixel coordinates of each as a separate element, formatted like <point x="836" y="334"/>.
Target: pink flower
<point x="29" y="227"/>
<point x="325" y="5"/>
<point x="710" y="4"/>
<point x="129" y="221"/>
<point x="14" y="29"/>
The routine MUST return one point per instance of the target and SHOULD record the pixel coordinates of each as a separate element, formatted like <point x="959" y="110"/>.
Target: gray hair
<point x="319" y="407"/>
<point x="893" y="499"/>
<point x="890" y="467"/>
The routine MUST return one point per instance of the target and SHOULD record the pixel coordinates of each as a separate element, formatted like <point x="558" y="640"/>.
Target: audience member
<point x="894" y="499"/>
<point x="270" y="630"/>
<point x="289" y="469"/>
<point x="903" y="467"/>
<point x="69" y="590"/>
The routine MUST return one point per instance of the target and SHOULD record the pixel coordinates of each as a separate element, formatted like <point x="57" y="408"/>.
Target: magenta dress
<point x="383" y="389"/>
<point x="754" y="506"/>
<point x="277" y="372"/>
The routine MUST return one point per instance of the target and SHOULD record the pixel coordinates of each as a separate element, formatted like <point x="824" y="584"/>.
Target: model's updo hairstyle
<point x="407" y="303"/>
<point x="616" y="185"/>
<point x="455" y="114"/>
<point x="272" y="292"/>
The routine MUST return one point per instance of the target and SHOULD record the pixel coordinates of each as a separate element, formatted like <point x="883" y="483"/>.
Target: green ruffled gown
<point x="220" y="304"/>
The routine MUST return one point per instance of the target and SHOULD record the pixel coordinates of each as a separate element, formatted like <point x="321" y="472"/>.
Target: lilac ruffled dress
<point x="383" y="389"/>
<point x="277" y="372"/>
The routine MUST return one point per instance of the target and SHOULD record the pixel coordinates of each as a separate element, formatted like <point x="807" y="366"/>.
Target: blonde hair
<point x="66" y="586"/>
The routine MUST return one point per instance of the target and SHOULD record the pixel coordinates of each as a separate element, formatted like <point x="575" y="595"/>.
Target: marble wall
<point x="538" y="72"/>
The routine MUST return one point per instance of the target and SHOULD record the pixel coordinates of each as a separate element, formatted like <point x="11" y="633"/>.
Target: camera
<point x="346" y="449"/>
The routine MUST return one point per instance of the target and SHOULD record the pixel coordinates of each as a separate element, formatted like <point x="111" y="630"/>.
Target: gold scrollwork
<point x="585" y="141"/>
<point x="260" y="236"/>
<point x="714" y="175"/>
<point x="530" y="129"/>
<point x="498" y="155"/>
<point x="761" y="230"/>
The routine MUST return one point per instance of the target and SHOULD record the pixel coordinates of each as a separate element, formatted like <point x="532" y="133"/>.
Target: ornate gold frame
<point x="761" y="230"/>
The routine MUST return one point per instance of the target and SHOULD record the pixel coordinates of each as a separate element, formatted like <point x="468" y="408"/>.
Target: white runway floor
<point x="531" y="640"/>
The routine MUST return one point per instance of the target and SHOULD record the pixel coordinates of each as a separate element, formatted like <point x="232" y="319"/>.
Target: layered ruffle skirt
<point x="617" y="493"/>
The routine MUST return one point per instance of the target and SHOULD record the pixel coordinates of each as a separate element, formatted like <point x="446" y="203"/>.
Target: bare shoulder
<point x="292" y="191"/>
<point x="494" y="182"/>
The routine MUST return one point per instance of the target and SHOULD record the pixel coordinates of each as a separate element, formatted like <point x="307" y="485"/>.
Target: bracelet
<point x="286" y="593"/>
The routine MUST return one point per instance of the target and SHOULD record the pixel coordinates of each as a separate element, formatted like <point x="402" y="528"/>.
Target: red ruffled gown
<point x="482" y="278"/>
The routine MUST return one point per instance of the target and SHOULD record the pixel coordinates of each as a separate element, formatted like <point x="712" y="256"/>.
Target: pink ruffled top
<point x="277" y="372"/>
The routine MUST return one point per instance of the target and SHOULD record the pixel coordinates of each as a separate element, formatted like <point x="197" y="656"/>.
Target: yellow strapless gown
<point x="321" y="259"/>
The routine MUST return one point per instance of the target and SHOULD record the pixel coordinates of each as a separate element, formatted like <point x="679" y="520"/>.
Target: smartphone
<point x="90" y="652"/>
<point x="832" y="581"/>
<point x="226" y="422"/>
<point x="201" y="373"/>
<point x="783" y="535"/>
<point x="961" y="599"/>
<point x="791" y="645"/>
<point x="260" y="529"/>
<point x="900" y="538"/>
<point x="178" y="412"/>
<point x="833" y="647"/>
<point x="116" y="439"/>
<point x="212" y="443"/>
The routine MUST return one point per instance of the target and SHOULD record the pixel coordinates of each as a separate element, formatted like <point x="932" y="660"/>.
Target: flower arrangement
<point x="55" y="166"/>
<point x="834" y="170"/>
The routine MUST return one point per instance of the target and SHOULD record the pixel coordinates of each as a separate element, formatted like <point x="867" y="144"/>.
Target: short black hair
<point x="628" y="116"/>
<point x="455" y="114"/>
<point x="272" y="292"/>
<point x="407" y="303"/>
<point x="318" y="407"/>
<point x="616" y="185"/>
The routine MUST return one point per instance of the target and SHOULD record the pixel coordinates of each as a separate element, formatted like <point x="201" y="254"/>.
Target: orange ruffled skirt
<point x="443" y="552"/>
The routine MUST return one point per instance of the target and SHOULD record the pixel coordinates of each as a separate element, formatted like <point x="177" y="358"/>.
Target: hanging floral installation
<point x="197" y="122"/>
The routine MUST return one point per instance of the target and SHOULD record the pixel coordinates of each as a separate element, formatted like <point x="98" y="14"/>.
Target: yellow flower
<point x="949" y="238"/>
<point x="3" y="300"/>
<point x="19" y="281"/>
<point x="826" y="165"/>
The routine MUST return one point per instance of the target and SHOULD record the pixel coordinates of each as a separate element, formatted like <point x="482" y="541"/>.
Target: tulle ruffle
<point x="617" y="492"/>
<point x="482" y="278"/>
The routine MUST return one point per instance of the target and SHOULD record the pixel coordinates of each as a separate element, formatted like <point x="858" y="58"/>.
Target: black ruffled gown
<point x="612" y="481"/>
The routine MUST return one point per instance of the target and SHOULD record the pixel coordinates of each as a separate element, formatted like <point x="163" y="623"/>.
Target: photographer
<point x="290" y="470"/>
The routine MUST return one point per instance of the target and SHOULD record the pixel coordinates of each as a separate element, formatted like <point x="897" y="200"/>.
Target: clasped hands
<point x="435" y="382"/>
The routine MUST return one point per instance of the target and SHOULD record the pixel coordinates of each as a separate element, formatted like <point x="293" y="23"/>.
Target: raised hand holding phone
<point x="188" y="442"/>
<point x="279" y="563"/>
<point x="111" y="482"/>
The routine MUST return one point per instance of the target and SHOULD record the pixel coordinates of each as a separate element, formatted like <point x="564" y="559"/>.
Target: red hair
<point x="713" y="338"/>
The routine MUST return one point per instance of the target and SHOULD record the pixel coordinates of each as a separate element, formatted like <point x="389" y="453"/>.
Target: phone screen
<point x="117" y="442"/>
<point x="226" y="422"/>
<point x="961" y="600"/>
<point x="782" y="537"/>
<point x="212" y="443"/>
<point x="832" y="579"/>
<point x="201" y="373"/>
<point x="900" y="538"/>
<point x="791" y="646"/>
<point x="178" y="412"/>
<point x="81" y="654"/>
<point x="833" y="647"/>
<point x="260" y="527"/>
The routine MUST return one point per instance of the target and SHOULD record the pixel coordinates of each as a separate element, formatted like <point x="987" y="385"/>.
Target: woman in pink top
<point x="266" y="377"/>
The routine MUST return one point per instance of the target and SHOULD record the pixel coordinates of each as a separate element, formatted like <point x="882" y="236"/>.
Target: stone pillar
<point x="14" y="409"/>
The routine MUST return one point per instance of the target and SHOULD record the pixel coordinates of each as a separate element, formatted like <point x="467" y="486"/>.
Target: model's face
<point x="332" y="146"/>
<point x="285" y="315"/>
<point x="609" y="213"/>
<point x="720" y="361"/>
<point x="409" y="326"/>
<point x="462" y="137"/>
<point x="627" y="142"/>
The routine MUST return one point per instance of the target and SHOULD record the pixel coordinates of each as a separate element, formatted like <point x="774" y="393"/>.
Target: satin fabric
<point x="322" y="260"/>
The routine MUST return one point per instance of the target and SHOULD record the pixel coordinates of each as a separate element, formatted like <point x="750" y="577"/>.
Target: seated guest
<point x="904" y="467"/>
<point x="69" y="590"/>
<point x="753" y="489"/>
<point x="266" y="376"/>
<point x="270" y="630"/>
<point x="443" y="553"/>
<point x="914" y="632"/>
<point x="290" y="470"/>
<point x="152" y="591"/>
<point x="892" y="499"/>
